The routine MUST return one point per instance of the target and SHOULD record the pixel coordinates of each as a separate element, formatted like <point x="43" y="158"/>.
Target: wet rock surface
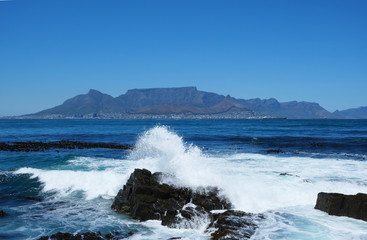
<point x="145" y="198"/>
<point x="33" y="198"/>
<point x="64" y="144"/>
<point x="274" y="151"/>
<point x="234" y="225"/>
<point x="2" y="213"/>
<point x="354" y="206"/>
<point x="85" y="236"/>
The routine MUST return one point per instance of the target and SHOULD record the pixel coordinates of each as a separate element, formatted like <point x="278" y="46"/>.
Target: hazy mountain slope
<point x="187" y="100"/>
<point x="294" y="109"/>
<point x="353" y="113"/>
<point x="90" y="103"/>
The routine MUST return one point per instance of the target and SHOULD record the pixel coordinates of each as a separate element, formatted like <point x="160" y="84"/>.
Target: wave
<point x="93" y="183"/>
<point x="253" y="182"/>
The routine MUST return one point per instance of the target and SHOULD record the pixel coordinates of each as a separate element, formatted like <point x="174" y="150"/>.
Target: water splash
<point x="92" y="183"/>
<point x="160" y="149"/>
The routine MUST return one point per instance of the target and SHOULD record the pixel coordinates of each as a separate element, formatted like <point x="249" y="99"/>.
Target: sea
<point x="271" y="166"/>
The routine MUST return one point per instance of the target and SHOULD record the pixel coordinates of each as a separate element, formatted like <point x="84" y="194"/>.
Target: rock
<point x="63" y="144"/>
<point x="2" y="213"/>
<point x="274" y="151"/>
<point x="144" y="198"/>
<point x="69" y="236"/>
<point x="85" y="236"/>
<point x="288" y="174"/>
<point x="33" y="199"/>
<point x="354" y="206"/>
<point x="316" y="144"/>
<point x="234" y="225"/>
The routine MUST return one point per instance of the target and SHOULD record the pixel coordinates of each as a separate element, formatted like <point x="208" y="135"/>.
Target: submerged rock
<point x="85" y="236"/>
<point x="288" y="174"/>
<point x="63" y="144"/>
<point x="69" y="236"/>
<point x="144" y="198"/>
<point x="2" y="213"/>
<point x="354" y="206"/>
<point x="33" y="199"/>
<point x="274" y="151"/>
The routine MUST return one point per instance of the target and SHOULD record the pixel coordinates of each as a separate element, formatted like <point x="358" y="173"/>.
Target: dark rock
<point x="234" y="225"/>
<point x="288" y="174"/>
<point x="33" y="199"/>
<point x="63" y="144"/>
<point x="274" y="151"/>
<point x="69" y="236"/>
<point x="109" y="236"/>
<point x="85" y="236"/>
<point x="354" y="206"/>
<point x="317" y="144"/>
<point x="2" y="213"/>
<point x="144" y="198"/>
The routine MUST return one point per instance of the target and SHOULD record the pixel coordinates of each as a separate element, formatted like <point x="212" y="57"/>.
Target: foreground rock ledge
<point x="85" y="236"/>
<point x="354" y="206"/>
<point x="144" y="198"/>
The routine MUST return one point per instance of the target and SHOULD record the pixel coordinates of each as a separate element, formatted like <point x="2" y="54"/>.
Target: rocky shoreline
<point x="354" y="206"/>
<point x="86" y="236"/>
<point x="145" y="198"/>
<point x="63" y="144"/>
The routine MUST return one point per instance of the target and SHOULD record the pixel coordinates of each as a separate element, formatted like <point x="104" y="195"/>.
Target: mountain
<point x="185" y="102"/>
<point x="92" y="102"/>
<point x="294" y="109"/>
<point x="137" y="99"/>
<point x="226" y="105"/>
<point x="353" y="113"/>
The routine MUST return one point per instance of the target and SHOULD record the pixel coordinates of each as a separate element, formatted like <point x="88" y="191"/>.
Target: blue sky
<point x="291" y="50"/>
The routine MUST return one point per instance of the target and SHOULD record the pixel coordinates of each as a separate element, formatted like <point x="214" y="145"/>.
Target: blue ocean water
<point x="77" y="186"/>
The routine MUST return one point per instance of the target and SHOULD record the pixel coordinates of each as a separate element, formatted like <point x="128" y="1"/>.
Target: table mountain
<point x="185" y="102"/>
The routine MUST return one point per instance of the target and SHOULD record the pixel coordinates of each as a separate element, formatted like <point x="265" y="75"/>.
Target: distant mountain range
<point x="186" y="102"/>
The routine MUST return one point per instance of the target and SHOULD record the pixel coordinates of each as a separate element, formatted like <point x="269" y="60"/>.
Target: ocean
<point x="71" y="190"/>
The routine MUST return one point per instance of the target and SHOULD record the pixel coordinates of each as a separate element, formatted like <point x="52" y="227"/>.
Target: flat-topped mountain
<point x="184" y="102"/>
<point x="137" y="99"/>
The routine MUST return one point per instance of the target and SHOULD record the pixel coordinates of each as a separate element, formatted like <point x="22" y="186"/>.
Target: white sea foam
<point x="251" y="181"/>
<point x="93" y="183"/>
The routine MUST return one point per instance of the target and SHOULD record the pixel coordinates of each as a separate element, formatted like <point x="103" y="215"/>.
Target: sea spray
<point x="92" y="183"/>
<point x="160" y="149"/>
<point x="253" y="182"/>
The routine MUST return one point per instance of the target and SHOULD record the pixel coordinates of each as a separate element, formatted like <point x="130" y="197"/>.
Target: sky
<point x="310" y="50"/>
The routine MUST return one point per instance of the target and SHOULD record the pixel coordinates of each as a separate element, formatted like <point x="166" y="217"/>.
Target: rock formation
<point x="86" y="236"/>
<point x="63" y="144"/>
<point x="144" y="198"/>
<point x="354" y="206"/>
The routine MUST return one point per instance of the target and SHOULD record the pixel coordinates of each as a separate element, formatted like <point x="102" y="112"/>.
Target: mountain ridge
<point x="185" y="102"/>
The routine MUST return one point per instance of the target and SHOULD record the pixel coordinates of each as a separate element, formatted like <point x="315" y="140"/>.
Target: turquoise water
<point x="77" y="186"/>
